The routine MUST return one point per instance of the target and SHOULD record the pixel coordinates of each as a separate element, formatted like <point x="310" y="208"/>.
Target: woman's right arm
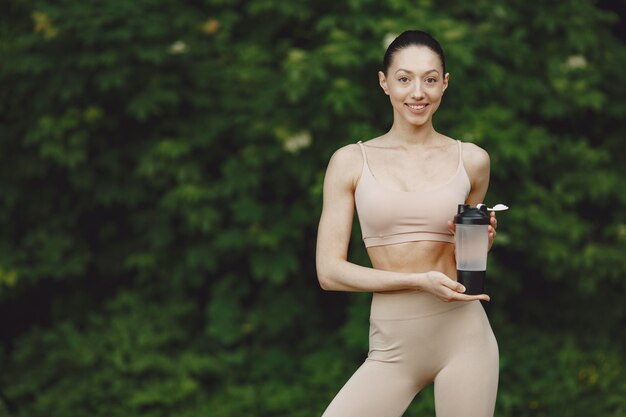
<point x="334" y="272"/>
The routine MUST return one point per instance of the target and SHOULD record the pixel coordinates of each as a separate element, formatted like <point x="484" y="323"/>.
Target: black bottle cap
<point x="469" y="215"/>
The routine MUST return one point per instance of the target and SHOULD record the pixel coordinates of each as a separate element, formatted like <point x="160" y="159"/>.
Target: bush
<point x="160" y="185"/>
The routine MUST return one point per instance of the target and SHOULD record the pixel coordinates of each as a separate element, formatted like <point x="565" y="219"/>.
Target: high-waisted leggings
<point x="415" y="340"/>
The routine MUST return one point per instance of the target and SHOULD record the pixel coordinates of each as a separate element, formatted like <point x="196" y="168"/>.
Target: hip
<point x="414" y="326"/>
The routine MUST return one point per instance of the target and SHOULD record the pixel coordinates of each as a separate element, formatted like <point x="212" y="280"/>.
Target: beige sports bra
<point x="390" y="216"/>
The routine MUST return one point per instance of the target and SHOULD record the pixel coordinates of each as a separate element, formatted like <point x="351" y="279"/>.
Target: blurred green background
<point x="161" y="166"/>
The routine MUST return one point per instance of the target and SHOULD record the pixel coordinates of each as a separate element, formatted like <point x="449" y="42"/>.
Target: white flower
<point x="178" y="47"/>
<point x="298" y="141"/>
<point x="576" y="62"/>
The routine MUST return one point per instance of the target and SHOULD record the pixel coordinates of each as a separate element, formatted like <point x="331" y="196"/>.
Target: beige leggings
<point x="416" y="339"/>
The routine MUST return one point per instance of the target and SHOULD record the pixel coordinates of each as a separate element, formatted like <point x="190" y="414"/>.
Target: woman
<point x="406" y="185"/>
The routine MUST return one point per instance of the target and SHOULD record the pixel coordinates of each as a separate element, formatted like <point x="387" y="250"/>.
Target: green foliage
<point x="160" y="184"/>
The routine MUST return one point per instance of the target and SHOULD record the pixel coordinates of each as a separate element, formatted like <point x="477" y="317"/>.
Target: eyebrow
<point x="411" y="72"/>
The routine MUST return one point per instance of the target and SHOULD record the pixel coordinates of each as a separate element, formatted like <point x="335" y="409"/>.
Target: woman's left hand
<point x="491" y="229"/>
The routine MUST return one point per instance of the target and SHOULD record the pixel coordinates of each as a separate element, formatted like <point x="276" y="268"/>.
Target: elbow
<point x="324" y="282"/>
<point x="324" y="279"/>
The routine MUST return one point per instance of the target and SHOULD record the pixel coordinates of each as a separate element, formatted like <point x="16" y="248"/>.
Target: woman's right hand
<point x="447" y="289"/>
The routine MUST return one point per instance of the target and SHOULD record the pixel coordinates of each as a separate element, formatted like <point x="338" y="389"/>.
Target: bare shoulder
<point x="475" y="158"/>
<point x="347" y="155"/>
<point x="346" y="163"/>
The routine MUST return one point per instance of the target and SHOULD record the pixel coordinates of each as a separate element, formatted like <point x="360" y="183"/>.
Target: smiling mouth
<point x="417" y="106"/>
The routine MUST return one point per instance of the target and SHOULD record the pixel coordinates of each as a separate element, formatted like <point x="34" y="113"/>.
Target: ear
<point x="446" y="78"/>
<point x="382" y="81"/>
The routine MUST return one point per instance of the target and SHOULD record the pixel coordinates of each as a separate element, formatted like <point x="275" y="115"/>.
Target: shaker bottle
<point x="472" y="244"/>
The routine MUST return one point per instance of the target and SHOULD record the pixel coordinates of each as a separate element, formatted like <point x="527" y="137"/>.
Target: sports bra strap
<point x="360" y="143"/>
<point x="460" y="154"/>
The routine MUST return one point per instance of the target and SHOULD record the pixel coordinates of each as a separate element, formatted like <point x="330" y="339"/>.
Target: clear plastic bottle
<point x="472" y="245"/>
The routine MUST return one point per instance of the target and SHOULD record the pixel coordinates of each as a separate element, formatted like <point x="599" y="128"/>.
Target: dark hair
<point x="412" y="38"/>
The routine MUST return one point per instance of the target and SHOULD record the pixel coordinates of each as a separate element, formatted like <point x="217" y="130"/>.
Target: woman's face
<point x="414" y="83"/>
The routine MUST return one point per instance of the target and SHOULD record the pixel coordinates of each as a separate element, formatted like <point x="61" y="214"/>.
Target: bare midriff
<point x="414" y="257"/>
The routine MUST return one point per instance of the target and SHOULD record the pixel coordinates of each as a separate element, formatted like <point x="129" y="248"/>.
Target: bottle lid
<point x="472" y="215"/>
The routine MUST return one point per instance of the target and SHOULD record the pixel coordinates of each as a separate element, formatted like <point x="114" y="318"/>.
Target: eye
<point x="403" y="79"/>
<point x="431" y="80"/>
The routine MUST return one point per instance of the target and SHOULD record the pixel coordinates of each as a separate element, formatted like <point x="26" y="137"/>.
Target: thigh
<point x="467" y="385"/>
<point x="377" y="389"/>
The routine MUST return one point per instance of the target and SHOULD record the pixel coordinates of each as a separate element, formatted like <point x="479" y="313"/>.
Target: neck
<point x="410" y="134"/>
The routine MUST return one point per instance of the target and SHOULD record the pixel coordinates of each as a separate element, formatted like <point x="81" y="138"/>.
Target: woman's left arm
<point x="476" y="161"/>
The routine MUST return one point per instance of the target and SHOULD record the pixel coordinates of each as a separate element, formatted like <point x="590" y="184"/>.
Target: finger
<point x="450" y="296"/>
<point x="493" y="220"/>
<point x="452" y="284"/>
<point x="451" y="226"/>
<point x="491" y="239"/>
<point x="466" y="297"/>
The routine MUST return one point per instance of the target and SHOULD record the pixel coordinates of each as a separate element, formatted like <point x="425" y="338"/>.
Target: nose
<point x="417" y="90"/>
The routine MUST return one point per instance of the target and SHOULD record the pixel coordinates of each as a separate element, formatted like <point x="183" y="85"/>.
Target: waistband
<point x="410" y="305"/>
